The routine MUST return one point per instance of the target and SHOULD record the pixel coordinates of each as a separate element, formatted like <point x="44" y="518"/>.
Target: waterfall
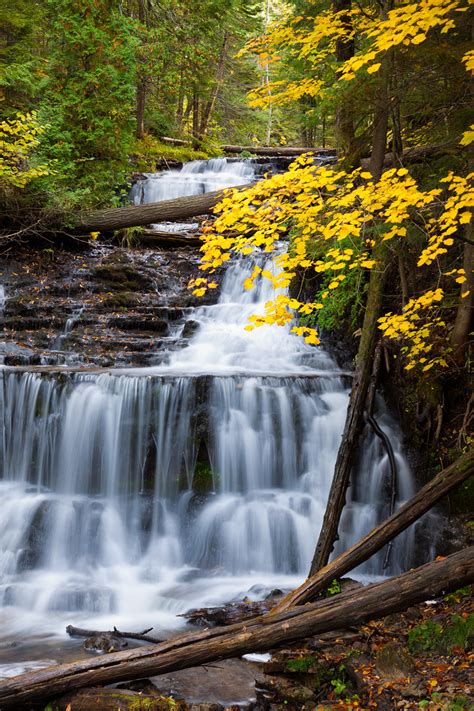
<point x="194" y="178"/>
<point x="130" y="496"/>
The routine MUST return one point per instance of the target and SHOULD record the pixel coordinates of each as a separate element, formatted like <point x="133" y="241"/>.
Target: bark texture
<point x="116" y="218"/>
<point x="260" y="634"/>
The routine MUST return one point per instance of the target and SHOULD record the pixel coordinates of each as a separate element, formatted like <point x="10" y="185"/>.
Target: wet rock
<point x="218" y="686"/>
<point x="104" y="643"/>
<point x="30" y="553"/>
<point x="137" y="324"/>
<point x="190" y="328"/>
<point x="394" y="662"/>
<point x="22" y="358"/>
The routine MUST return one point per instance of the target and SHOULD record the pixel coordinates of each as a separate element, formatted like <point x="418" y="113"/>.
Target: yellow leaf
<point x="373" y="68"/>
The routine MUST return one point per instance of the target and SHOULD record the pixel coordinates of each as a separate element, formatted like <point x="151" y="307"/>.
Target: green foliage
<point x="21" y="65"/>
<point x="339" y="681"/>
<point x="149" y="151"/>
<point x="334" y="588"/>
<point x="129" y="236"/>
<point x="89" y="97"/>
<point x="456" y="597"/>
<point x="344" y="308"/>
<point x="300" y="665"/>
<point x="204" y="479"/>
<point x="431" y="637"/>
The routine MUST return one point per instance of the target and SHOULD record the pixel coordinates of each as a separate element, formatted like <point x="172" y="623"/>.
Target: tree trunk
<point x="180" y="104"/>
<point x="195" y="129"/>
<point x="261" y="634"/>
<point x="354" y="421"/>
<point x="142" y="81"/>
<point x="141" y="101"/>
<point x="344" y="119"/>
<point x="116" y="218"/>
<point x="361" y="551"/>
<point x="463" y="320"/>
<point x="209" y="107"/>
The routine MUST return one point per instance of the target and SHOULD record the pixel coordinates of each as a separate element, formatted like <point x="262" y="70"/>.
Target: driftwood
<point x="423" y="501"/>
<point x="116" y="218"/>
<point x="141" y="636"/>
<point x="257" y="635"/>
<point x="231" y="612"/>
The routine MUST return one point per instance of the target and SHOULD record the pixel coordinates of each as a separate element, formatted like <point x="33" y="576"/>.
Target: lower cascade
<point x="148" y="492"/>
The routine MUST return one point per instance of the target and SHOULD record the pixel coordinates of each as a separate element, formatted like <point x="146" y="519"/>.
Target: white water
<point x="99" y="524"/>
<point x="194" y="178"/>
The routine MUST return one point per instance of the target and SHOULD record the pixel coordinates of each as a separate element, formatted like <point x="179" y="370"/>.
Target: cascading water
<point x="194" y="178"/>
<point x="130" y="496"/>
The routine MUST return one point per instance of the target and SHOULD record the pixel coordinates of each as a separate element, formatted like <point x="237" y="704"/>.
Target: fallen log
<point x="278" y="150"/>
<point x="141" y="636"/>
<point x="413" y="509"/>
<point x="116" y="218"/>
<point x="258" y="635"/>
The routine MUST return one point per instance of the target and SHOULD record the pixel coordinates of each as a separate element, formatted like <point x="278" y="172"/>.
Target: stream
<point x="129" y="496"/>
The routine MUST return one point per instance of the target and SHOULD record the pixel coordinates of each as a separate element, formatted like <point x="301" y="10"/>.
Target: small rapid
<point x="128" y="497"/>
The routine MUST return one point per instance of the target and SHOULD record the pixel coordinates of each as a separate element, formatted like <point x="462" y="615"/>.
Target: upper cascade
<point x="194" y="178"/>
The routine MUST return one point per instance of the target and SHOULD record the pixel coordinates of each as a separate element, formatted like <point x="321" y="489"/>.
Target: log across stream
<point x="255" y="635"/>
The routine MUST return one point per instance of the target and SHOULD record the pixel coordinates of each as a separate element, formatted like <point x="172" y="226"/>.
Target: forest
<point x="236" y="394"/>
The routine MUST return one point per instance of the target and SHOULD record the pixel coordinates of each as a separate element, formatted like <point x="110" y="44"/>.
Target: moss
<point x="120" y="299"/>
<point x="149" y="151"/>
<point x="300" y="664"/>
<point x="432" y="637"/>
<point x="204" y="480"/>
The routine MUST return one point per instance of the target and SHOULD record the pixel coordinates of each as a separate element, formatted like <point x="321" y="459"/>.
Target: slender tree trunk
<point x="180" y="106"/>
<point x="142" y="81"/>
<point x="266" y="79"/>
<point x="220" y="73"/>
<point x="195" y="109"/>
<point x="354" y="420"/>
<point x="463" y="320"/>
<point x="360" y="385"/>
<point x="380" y="128"/>
<point x="344" y="123"/>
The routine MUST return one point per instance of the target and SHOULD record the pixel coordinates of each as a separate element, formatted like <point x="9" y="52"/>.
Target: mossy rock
<point x="435" y="638"/>
<point x="120" y="299"/>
